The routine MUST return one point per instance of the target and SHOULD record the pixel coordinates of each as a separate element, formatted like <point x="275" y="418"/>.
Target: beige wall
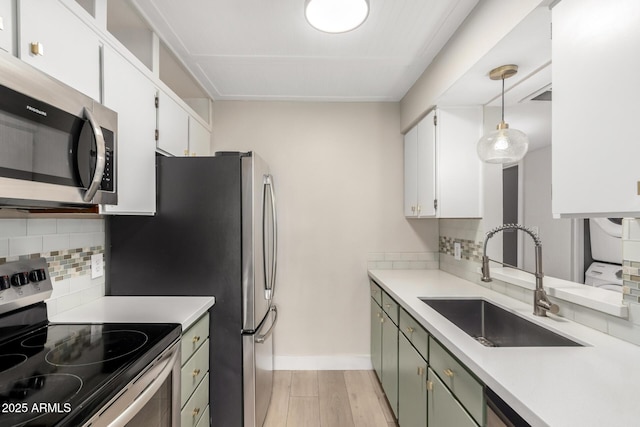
<point x="338" y="175"/>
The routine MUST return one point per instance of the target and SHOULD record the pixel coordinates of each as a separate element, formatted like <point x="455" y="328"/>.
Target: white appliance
<point x="605" y="276"/>
<point x="606" y="250"/>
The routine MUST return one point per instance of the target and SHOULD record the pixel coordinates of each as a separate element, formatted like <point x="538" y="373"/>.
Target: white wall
<point x="338" y="180"/>
<point x="555" y="233"/>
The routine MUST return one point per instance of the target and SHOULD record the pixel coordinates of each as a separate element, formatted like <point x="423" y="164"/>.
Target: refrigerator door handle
<point x="269" y="282"/>
<point x="262" y="338"/>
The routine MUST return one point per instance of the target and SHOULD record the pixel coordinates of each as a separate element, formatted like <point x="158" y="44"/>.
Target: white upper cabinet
<point x="7" y="36"/>
<point x="173" y="126"/>
<point x="443" y="175"/>
<point x="132" y="95"/>
<point x="199" y="139"/>
<point x="596" y="89"/>
<point x="54" y="40"/>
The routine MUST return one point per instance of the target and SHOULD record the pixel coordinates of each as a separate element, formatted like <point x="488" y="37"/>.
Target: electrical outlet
<point x="457" y="251"/>
<point x="97" y="269"/>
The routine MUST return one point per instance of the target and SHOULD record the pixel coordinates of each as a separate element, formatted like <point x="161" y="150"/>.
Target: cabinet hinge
<point x="157" y="101"/>
<point x="157" y="134"/>
<point x="435" y="120"/>
<point x="435" y="203"/>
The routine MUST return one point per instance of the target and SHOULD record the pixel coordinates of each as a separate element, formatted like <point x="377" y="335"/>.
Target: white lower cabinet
<point x="195" y="374"/>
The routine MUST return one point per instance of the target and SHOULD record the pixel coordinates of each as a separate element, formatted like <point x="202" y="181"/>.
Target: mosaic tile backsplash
<point x="470" y="250"/>
<point x="67" y="244"/>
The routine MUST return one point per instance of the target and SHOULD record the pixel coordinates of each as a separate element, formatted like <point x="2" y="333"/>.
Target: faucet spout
<point x="541" y="303"/>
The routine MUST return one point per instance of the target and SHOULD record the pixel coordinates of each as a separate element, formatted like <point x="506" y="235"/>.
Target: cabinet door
<point x="412" y="386"/>
<point x="128" y="92"/>
<point x="411" y="173"/>
<point x="459" y="182"/>
<point x="69" y="51"/>
<point x="173" y="126"/>
<point x="390" y="362"/>
<point x="427" y="168"/>
<point x="376" y="338"/>
<point x="443" y="409"/>
<point x="595" y="108"/>
<point x="7" y="35"/>
<point x="199" y="139"/>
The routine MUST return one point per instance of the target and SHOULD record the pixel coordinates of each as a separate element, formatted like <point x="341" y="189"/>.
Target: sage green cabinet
<point x="412" y="385"/>
<point x="443" y="409"/>
<point x="390" y="361"/>
<point x="376" y="338"/>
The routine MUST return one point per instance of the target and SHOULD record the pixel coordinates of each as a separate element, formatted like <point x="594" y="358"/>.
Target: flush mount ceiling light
<point x="336" y="16"/>
<point x="503" y="145"/>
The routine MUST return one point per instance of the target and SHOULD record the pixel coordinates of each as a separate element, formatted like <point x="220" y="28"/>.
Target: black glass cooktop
<point x="60" y="374"/>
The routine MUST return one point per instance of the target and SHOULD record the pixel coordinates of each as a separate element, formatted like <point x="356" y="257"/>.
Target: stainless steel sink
<point x="493" y="326"/>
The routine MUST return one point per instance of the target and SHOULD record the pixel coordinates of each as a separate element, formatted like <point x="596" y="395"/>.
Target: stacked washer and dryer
<point x="606" y="250"/>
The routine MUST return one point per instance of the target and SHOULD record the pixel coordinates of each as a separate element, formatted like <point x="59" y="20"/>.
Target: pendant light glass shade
<point x="503" y="145"/>
<point x="336" y="16"/>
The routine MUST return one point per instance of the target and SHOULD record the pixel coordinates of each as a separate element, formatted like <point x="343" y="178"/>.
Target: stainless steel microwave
<point x="58" y="147"/>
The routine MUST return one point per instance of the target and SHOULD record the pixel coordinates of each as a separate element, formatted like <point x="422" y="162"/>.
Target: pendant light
<point x="336" y="16"/>
<point x="503" y="145"/>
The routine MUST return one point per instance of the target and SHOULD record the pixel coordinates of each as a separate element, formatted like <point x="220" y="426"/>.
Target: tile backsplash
<point x="67" y="244"/>
<point x="403" y="261"/>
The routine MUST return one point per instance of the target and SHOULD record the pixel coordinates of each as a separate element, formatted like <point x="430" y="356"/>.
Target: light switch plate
<point x="457" y="251"/>
<point x="97" y="268"/>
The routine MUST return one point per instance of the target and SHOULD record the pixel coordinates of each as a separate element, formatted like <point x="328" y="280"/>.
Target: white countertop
<point x="595" y="385"/>
<point x="173" y="309"/>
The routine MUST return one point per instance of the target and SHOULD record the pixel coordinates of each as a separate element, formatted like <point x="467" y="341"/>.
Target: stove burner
<point x="35" y="341"/>
<point x="29" y="394"/>
<point x="80" y="351"/>
<point x="9" y="361"/>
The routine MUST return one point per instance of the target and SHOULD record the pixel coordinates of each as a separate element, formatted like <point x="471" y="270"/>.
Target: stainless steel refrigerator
<point x="214" y="234"/>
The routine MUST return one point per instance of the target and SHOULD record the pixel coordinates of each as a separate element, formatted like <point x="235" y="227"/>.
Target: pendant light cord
<point x="503" y="98"/>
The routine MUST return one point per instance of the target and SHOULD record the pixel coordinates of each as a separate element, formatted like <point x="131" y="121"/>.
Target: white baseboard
<point x="350" y="362"/>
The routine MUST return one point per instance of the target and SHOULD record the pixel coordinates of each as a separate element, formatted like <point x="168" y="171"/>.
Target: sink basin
<point x="493" y="326"/>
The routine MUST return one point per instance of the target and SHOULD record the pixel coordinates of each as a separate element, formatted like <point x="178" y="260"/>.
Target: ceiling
<point x="265" y="50"/>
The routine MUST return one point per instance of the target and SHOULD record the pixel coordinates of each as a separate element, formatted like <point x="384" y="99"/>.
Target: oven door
<point x="152" y="398"/>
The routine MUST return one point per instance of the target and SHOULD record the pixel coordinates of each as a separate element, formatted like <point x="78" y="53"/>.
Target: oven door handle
<point x="128" y="404"/>
<point x="101" y="157"/>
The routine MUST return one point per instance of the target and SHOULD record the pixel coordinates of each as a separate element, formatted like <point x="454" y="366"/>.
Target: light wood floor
<point x="328" y="399"/>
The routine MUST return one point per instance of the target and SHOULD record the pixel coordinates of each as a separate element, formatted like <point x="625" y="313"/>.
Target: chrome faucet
<point x="541" y="303"/>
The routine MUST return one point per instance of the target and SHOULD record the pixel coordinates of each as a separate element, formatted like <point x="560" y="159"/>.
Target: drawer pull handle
<point x="381" y="319"/>
<point x="429" y="385"/>
<point x="195" y="412"/>
<point x="410" y="329"/>
<point x="374" y="291"/>
<point x="196" y="339"/>
<point x="449" y="373"/>
<point x="196" y="372"/>
<point x="388" y="305"/>
<point x="420" y="370"/>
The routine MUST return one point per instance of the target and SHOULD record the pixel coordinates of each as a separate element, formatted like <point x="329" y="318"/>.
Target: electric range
<point x="64" y="374"/>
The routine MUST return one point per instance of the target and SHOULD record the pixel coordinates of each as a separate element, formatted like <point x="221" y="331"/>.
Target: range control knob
<point x="20" y="279"/>
<point x="5" y="283"/>
<point x="37" y="275"/>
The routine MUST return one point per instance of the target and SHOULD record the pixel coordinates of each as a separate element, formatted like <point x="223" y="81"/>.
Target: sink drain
<point x="485" y="342"/>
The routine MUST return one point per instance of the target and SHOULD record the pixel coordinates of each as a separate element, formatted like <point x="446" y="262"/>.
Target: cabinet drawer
<point x="390" y="307"/>
<point x="193" y="371"/>
<point x="456" y="377"/>
<point x="415" y="333"/>
<point x="204" y="419"/>
<point x="193" y="337"/>
<point x="376" y="292"/>
<point x="197" y="405"/>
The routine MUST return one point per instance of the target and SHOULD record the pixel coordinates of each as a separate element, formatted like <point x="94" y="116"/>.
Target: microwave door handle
<point x="100" y="160"/>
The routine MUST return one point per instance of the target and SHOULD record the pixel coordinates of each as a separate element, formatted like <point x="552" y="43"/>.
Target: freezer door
<point x="258" y="370"/>
<point x="259" y="244"/>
